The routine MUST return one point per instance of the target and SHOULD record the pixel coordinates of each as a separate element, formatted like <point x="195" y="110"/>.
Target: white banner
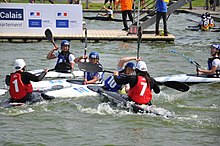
<point x="34" y="19"/>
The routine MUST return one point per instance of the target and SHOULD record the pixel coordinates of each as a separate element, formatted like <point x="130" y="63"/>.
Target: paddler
<point x="213" y="63"/>
<point x="141" y="84"/>
<point x="20" y="87"/>
<point x="128" y="69"/>
<point x="65" y="59"/>
<point x="210" y="20"/>
<point x="203" y="24"/>
<point x="91" y="77"/>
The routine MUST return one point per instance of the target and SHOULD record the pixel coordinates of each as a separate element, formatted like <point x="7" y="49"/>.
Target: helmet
<point x="203" y="16"/>
<point x="216" y="46"/>
<point x="141" y="65"/>
<point x="207" y="14"/>
<point x="19" y="64"/>
<point x="130" y="64"/>
<point x="65" y="42"/>
<point x="94" y="55"/>
<point x="109" y="7"/>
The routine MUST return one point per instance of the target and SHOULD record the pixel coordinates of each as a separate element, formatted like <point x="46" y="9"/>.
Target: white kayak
<point x="54" y="74"/>
<point x="188" y="78"/>
<point x="3" y="91"/>
<point x="75" y="90"/>
<point x="50" y="84"/>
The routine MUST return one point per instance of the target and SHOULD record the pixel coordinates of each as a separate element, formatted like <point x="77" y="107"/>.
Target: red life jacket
<point x="141" y="92"/>
<point x="18" y="89"/>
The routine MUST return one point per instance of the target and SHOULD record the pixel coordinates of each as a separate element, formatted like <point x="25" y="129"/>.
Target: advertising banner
<point x="34" y="19"/>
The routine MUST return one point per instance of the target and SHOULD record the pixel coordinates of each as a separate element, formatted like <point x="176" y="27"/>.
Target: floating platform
<point x="92" y="35"/>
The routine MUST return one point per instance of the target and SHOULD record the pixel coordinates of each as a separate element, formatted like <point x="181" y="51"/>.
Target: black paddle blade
<point x="49" y="35"/>
<point x="89" y="67"/>
<point x="176" y="85"/>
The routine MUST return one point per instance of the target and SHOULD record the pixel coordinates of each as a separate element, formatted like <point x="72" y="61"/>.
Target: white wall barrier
<point x="34" y="19"/>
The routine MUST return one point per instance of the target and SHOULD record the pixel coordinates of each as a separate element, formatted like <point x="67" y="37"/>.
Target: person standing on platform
<point x="126" y="9"/>
<point x="161" y="6"/>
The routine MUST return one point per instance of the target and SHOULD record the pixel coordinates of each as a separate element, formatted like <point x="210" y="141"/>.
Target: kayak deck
<point x="188" y="79"/>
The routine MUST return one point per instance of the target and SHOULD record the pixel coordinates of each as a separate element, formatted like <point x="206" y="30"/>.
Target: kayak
<point x="197" y="28"/>
<point x="3" y="91"/>
<point x="51" y="84"/>
<point x="75" y="90"/>
<point x="121" y="101"/>
<point x="188" y="79"/>
<point x="54" y="74"/>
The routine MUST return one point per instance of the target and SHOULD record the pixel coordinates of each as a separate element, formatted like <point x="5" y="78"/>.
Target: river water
<point x="195" y="114"/>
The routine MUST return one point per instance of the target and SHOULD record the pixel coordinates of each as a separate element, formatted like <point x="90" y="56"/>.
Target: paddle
<point x="49" y="36"/>
<point x="89" y="67"/>
<point x="189" y="59"/>
<point x="102" y="8"/>
<point x="139" y="40"/>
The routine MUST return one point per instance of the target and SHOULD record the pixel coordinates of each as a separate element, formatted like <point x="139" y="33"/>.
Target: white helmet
<point x="19" y="64"/>
<point x="141" y="65"/>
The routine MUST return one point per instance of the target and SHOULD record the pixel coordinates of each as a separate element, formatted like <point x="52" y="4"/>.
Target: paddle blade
<point x="49" y="35"/>
<point x="176" y="85"/>
<point x="89" y="67"/>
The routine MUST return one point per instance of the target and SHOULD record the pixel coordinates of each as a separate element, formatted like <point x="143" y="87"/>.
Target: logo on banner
<point x="62" y="14"/>
<point x="35" y="14"/>
<point x="35" y="23"/>
<point x="62" y="23"/>
<point x="11" y="14"/>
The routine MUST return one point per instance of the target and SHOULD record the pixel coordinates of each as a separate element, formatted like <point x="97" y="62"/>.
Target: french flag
<point x="35" y="14"/>
<point x="62" y="14"/>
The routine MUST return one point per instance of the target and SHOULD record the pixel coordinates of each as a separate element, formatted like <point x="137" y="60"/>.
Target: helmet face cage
<point x="94" y="55"/>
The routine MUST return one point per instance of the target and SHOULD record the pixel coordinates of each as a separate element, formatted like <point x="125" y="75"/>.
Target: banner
<point x="34" y="19"/>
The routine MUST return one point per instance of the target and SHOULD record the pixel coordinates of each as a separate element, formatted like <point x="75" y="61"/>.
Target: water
<point x="86" y="121"/>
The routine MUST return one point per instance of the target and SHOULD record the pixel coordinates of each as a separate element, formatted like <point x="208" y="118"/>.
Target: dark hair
<point x="144" y="74"/>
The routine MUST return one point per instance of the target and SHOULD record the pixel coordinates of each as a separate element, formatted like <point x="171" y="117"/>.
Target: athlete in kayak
<point x="128" y="69"/>
<point x="141" y="84"/>
<point x="91" y="77"/>
<point x="20" y="87"/>
<point x="210" y="20"/>
<point x="213" y="63"/>
<point x="65" y="59"/>
<point x="203" y="24"/>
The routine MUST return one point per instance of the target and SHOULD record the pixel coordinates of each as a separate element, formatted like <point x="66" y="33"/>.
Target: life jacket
<point x="90" y="75"/>
<point x="141" y="92"/>
<point x="210" y="60"/>
<point x="18" y="89"/>
<point x="63" y="57"/>
<point x="211" y="22"/>
<point x="111" y="85"/>
<point x="205" y="25"/>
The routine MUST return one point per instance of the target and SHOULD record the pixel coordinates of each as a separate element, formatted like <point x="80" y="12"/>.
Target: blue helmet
<point x="65" y="42"/>
<point x="130" y="64"/>
<point x="217" y="46"/>
<point x="94" y="55"/>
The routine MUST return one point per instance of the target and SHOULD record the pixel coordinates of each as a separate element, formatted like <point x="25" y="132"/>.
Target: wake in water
<point x="107" y="109"/>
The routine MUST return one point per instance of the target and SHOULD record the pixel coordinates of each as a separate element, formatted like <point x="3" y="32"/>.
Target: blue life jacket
<point x="91" y="75"/>
<point x="111" y="85"/>
<point x="210" y="60"/>
<point x="63" y="57"/>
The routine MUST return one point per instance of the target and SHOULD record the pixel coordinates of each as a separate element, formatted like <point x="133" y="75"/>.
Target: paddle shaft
<point x="189" y="59"/>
